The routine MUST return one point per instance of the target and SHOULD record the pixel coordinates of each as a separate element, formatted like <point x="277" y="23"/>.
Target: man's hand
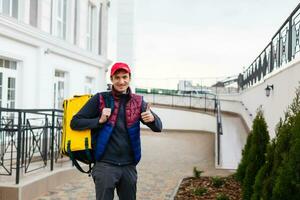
<point x="106" y="112"/>
<point x="147" y="116"/>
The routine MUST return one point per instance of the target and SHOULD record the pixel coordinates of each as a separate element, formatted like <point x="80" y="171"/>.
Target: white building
<point x="122" y="34"/>
<point x="51" y="50"/>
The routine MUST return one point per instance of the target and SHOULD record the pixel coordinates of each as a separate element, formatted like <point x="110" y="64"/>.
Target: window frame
<point x="10" y="11"/>
<point x="90" y="26"/>
<point x="62" y="19"/>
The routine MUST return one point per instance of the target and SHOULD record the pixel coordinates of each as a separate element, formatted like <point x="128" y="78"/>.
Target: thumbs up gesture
<point x="147" y="116"/>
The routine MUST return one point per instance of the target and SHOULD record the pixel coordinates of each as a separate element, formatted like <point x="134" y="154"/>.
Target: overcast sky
<point x="200" y="40"/>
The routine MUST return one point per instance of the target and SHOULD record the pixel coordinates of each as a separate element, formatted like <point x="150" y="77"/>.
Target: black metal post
<point x="271" y="57"/>
<point x="218" y="141"/>
<point x="278" y="50"/>
<point x="23" y="140"/>
<point x="45" y="141"/>
<point x="52" y="141"/>
<point x="290" y="40"/>
<point x="19" y="147"/>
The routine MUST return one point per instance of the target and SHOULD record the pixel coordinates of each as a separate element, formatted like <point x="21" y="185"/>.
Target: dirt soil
<point x="202" y="188"/>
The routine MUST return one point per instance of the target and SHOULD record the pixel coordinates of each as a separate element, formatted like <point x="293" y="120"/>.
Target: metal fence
<point x="29" y="139"/>
<point x="205" y="101"/>
<point x="283" y="47"/>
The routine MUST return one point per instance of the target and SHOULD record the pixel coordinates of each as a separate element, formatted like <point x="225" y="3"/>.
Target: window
<point x="90" y="25"/>
<point x="9" y="7"/>
<point x="59" y="89"/>
<point x="8" y="78"/>
<point x="33" y="12"/>
<point x="60" y="13"/>
<point x="75" y="21"/>
<point x="89" y="85"/>
<point x="11" y="92"/>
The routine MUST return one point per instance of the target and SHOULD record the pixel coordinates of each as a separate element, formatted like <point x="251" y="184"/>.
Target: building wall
<point x="38" y="52"/>
<point x="285" y="81"/>
<point x="173" y="119"/>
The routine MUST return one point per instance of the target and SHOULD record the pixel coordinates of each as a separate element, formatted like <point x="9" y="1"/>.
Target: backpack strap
<point x="74" y="161"/>
<point x="108" y="100"/>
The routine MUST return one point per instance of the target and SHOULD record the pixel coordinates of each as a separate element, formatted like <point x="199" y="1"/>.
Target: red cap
<point x="118" y="66"/>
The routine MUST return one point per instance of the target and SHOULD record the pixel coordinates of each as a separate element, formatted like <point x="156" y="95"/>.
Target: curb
<point x="176" y="188"/>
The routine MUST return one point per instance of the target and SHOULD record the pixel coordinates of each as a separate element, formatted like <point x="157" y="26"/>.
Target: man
<point x="116" y="130"/>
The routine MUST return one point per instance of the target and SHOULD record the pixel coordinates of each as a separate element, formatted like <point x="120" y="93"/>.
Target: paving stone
<point x="166" y="159"/>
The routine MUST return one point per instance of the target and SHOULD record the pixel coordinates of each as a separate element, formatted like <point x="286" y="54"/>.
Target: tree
<point x="256" y="157"/>
<point x="287" y="185"/>
<point x="240" y="174"/>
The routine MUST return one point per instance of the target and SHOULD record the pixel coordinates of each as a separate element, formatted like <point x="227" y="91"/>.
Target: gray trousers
<point x="109" y="177"/>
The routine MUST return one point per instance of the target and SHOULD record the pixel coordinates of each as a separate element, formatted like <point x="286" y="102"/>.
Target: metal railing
<point x="283" y="47"/>
<point x="29" y="138"/>
<point x="205" y="102"/>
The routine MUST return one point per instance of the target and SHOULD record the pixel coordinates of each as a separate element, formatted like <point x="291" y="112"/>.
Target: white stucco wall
<point x="185" y="120"/>
<point x="285" y="81"/>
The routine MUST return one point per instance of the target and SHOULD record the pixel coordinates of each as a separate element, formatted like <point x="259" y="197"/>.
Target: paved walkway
<point x="166" y="159"/>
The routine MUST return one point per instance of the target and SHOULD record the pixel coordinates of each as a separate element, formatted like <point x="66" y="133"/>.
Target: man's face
<point x="121" y="80"/>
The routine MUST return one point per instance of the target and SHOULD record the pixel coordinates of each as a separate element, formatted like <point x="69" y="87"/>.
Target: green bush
<point x="200" y="191"/>
<point x="197" y="173"/>
<point x="287" y="184"/>
<point x="256" y="156"/>
<point x="222" y="197"/>
<point x="217" y="181"/>
<point x="263" y="176"/>
<point x="278" y="178"/>
<point x="240" y="174"/>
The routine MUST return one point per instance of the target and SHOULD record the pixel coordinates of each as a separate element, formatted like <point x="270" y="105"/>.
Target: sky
<point x="200" y="40"/>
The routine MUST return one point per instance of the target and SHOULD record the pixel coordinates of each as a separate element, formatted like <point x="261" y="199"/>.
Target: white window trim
<point x="10" y="7"/>
<point x="89" y="84"/>
<point x="57" y="79"/>
<point x="62" y="34"/>
<point x="1" y="6"/>
<point x="9" y="73"/>
<point x="91" y="26"/>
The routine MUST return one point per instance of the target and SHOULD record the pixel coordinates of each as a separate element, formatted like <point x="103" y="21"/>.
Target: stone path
<point x="166" y="159"/>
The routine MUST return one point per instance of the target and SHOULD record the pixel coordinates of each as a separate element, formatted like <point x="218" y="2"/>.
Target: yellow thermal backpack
<point x="76" y="144"/>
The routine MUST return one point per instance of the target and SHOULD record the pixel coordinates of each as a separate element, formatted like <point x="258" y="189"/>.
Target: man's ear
<point x="111" y="78"/>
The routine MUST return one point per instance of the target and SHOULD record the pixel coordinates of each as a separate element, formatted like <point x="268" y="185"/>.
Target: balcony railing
<point x="29" y="140"/>
<point x="283" y="48"/>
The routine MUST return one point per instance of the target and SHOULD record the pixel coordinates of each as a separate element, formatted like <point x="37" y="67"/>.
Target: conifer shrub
<point x="241" y="170"/>
<point x="287" y="184"/>
<point x="279" y="176"/>
<point x="263" y="176"/>
<point x="256" y="156"/>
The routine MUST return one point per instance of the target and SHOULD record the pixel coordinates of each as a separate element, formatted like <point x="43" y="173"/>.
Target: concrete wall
<point x="173" y="119"/>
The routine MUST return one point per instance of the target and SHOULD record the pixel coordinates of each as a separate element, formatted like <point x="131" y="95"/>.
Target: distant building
<point x="122" y="30"/>
<point x="51" y="50"/>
